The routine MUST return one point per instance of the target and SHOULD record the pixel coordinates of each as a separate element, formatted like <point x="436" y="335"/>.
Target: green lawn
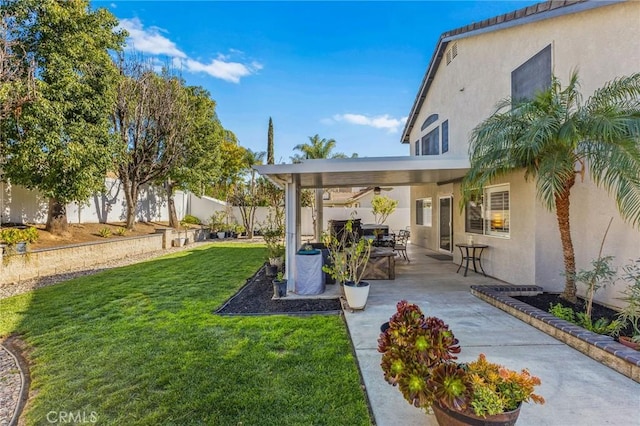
<point x="141" y="345"/>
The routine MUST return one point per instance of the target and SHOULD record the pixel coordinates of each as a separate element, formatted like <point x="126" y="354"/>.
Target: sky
<point x="347" y="71"/>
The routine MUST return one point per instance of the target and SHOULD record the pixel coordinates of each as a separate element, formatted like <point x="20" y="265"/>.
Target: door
<point x="445" y="226"/>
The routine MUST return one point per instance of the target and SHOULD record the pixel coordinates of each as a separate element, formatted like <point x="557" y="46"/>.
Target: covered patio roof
<point x="367" y="171"/>
<point x="350" y="172"/>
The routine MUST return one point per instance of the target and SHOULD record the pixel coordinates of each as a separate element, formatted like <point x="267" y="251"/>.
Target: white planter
<point x="179" y="242"/>
<point x="276" y="261"/>
<point x="221" y="235"/>
<point x="357" y="296"/>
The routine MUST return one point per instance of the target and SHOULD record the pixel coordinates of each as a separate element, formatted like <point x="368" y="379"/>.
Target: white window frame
<point x="427" y="212"/>
<point x="497" y="219"/>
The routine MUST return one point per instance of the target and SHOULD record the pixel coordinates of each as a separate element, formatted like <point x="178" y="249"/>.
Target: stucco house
<point x="472" y="68"/>
<point x="513" y="55"/>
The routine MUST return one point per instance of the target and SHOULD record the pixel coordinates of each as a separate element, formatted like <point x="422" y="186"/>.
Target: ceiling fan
<point x="378" y="189"/>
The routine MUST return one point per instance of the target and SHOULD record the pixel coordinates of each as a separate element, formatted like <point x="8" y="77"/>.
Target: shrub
<point x="105" y="232"/>
<point x="191" y="220"/>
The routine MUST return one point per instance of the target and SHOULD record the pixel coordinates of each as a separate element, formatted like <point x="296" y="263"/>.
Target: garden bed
<point x="599" y="347"/>
<point x="256" y="298"/>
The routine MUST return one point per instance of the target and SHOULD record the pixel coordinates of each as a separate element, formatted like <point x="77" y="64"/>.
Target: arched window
<point x="430" y="120"/>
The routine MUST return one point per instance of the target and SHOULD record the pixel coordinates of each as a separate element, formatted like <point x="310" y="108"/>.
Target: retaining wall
<point x="59" y="260"/>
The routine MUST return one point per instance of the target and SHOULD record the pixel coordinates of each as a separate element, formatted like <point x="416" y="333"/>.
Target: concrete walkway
<point x="578" y="389"/>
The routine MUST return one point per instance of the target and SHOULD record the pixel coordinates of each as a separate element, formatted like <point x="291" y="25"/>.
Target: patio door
<point x="445" y="223"/>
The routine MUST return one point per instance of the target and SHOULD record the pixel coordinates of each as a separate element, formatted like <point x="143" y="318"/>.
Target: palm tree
<point x="556" y="136"/>
<point x="253" y="158"/>
<point x="317" y="148"/>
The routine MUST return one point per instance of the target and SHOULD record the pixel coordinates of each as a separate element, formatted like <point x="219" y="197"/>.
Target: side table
<point x="472" y="254"/>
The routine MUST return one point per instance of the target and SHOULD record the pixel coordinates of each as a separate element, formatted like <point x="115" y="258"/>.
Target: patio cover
<point x="350" y="172"/>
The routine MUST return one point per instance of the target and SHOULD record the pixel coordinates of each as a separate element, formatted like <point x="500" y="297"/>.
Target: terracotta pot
<point x="627" y="342"/>
<point x="447" y="417"/>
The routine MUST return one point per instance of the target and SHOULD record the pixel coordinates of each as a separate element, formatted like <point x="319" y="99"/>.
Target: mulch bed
<point x="545" y="300"/>
<point x="255" y="298"/>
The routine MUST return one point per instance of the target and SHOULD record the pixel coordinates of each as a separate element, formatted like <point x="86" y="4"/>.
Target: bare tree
<point x="148" y="119"/>
<point x="17" y="82"/>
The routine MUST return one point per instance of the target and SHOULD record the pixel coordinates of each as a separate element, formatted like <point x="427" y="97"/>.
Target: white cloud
<point x="151" y="41"/>
<point x="379" y="122"/>
<point x="218" y="68"/>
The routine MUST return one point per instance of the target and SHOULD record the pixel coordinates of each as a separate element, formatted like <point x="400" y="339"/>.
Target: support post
<point x="319" y="210"/>
<point x="292" y="228"/>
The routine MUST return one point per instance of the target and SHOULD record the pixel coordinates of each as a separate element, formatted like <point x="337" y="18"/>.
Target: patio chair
<point x="400" y="246"/>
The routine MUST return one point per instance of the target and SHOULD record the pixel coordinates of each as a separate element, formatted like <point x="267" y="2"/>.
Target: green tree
<point x="555" y="133"/>
<point x="317" y="148"/>
<point x="232" y="167"/>
<point x="61" y="144"/>
<point x="198" y="162"/>
<point x="270" y="158"/>
<point x="383" y="206"/>
<point x="245" y="196"/>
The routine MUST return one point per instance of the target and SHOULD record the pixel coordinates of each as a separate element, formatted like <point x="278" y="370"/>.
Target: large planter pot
<point x="356" y="295"/>
<point x="221" y="235"/>
<point x="279" y="288"/>
<point x="272" y="271"/>
<point x="447" y="417"/>
<point x="627" y="342"/>
<point x="276" y="261"/>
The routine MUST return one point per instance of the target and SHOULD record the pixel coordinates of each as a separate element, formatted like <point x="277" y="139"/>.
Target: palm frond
<point x="616" y="167"/>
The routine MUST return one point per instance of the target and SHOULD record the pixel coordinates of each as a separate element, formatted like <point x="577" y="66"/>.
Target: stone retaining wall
<point x="47" y="262"/>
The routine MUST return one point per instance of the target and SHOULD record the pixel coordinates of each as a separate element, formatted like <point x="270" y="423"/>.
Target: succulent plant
<point x="418" y="356"/>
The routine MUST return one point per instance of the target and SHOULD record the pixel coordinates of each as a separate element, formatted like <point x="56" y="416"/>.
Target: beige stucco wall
<point x="602" y="43"/>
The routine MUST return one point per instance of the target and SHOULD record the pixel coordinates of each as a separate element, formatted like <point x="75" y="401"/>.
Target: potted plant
<point x="279" y="286"/>
<point x="216" y="222"/>
<point x="418" y="356"/>
<point x="16" y="240"/>
<point x="630" y="314"/>
<point x="272" y="231"/>
<point x="349" y="255"/>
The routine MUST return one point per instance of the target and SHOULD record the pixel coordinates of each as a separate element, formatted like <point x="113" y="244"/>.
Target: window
<point x="488" y="213"/>
<point x="430" y="142"/>
<point x="473" y="215"/>
<point x="418" y="147"/>
<point x="496" y="220"/>
<point x="429" y="121"/>
<point x="532" y="76"/>
<point x="445" y="136"/>
<point x="424" y="211"/>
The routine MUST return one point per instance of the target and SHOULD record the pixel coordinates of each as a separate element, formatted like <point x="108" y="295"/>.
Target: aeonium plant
<point x="418" y="356"/>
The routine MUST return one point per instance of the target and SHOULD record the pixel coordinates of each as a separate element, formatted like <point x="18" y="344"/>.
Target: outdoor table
<point x="472" y="254"/>
<point x="381" y="265"/>
<point x="309" y="277"/>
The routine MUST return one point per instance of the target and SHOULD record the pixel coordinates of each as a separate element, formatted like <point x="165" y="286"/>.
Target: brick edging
<point x="603" y="349"/>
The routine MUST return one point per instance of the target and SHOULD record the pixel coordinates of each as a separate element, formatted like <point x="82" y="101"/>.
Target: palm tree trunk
<point x="562" y="214"/>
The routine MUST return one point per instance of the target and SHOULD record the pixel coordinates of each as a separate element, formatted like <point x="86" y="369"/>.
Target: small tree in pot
<point x="272" y="231"/>
<point x="349" y="255"/>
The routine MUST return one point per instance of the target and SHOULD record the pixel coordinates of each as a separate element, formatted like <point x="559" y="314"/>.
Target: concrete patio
<point x="578" y="390"/>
